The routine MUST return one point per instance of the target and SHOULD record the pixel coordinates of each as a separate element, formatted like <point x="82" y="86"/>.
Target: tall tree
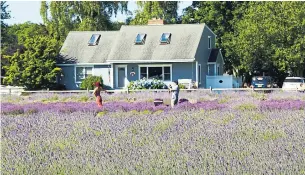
<point x="33" y="64"/>
<point x="4" y="15"/>
<point x="166" y="10"/>
<point x="61" y="17"/>
<point x="270" y="38"/>
<point x="4" y="36"/>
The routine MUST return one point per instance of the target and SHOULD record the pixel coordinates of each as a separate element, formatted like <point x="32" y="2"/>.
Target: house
<point x="166" y="52"/>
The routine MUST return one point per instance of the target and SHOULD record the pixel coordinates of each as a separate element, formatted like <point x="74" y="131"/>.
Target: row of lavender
<point x="150" y="96"/>
<point x="69" y="107"/>
<point x="175" y="142"/>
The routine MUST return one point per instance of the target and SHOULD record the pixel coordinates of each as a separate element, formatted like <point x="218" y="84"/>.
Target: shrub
<point x="88" y="83"/>
<point x="147" y="84"/>
<point x="181" y="86"/>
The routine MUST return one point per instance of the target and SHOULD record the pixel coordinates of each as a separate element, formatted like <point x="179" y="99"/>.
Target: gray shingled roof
<point x="76" y="49"/>
<point x="184" y="43"/>
<point x="213" y="55"/>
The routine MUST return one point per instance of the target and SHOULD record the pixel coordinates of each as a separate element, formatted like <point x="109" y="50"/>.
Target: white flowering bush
<point x="146" y="84"/>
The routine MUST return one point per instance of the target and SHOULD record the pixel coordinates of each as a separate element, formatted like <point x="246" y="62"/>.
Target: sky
<point x="32" y="14"/>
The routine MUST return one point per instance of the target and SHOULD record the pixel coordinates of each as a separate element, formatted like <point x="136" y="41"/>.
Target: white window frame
<point x="199" y="73"/>
<point x="156" y="65"/>
<point x="209" y="42"/>
<point x="83" y="72"/>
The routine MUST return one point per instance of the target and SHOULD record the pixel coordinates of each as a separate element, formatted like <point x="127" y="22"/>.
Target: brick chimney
<point x="155" y="21"/>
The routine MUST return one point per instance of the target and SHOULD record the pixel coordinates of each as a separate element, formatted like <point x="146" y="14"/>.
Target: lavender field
<point x="227" y="133"/>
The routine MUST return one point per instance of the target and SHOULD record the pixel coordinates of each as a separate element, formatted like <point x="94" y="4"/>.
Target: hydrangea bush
<point x="146" y="84"/>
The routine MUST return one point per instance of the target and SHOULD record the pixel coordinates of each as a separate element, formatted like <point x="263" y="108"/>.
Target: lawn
<point x="226" y="133"/>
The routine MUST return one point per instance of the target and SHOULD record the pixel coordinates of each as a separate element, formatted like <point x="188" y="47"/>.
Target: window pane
<point x="79" y="74"/>
<point x="94" y="39"/>
<point x="140" y="38"/>
<point x="144" y="70"/>
<point x="143" y="76"/>
<point x="167" y="70"/>
<point x="199" y="73"/>
<point x="209" y="42"/>
<point x="155" y="72"/>
<point x="165" y="37"/>
<point x="211" y="69"/>
<point x="167" y="77"/>
<point x="88" y="71"/>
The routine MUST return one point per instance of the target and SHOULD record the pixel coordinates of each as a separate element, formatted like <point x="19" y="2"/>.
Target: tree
<point x="4" y="37"/>
<point x="33" y="65"/>
<point x="270" y="38"/>
<point x="220" y="17"/>
<point x="60" y="17"/>
<point x="4" y="15"/>
<point x="166" y="10"/>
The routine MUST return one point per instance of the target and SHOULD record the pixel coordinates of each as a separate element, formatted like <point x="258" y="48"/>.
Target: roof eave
<point x="151" y="61"/>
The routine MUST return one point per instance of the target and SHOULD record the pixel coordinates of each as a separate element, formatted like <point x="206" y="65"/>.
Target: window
<point x="156" y="72"/>
<point x="140" y="39"/>
<point x="199" y="73"/>
<point x="218" y="72"/>
<point x="209" y="46"/>
<point x="94" y="40"/>
<point x="165" y="38"/>
<point x="211" y="69"/>
<point x="82" y="73"/>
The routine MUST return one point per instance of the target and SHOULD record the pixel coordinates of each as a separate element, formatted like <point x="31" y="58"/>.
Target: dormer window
<point x="94" y="40"/>
<point x="140" y="39"/>
<point x="165" y="38"/>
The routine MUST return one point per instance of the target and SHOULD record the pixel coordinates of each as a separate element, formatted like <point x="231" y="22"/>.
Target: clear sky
<point x="22" y="11"/>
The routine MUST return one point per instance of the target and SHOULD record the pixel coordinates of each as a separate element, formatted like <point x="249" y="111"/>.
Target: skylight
<point x="165" y="38"/>
<point x="94" y="40"/>
<point x="140" y="39"/>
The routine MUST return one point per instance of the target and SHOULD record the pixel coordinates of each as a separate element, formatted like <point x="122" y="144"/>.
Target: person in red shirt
<point x="97" y="94"/>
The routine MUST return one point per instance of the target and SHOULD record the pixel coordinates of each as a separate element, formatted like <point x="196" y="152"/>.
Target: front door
<point x="121" y="77"/>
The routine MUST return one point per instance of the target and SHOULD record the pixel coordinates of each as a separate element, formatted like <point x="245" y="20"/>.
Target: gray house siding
<point x="103" y="71"/>
<point x="203" y="53"/>
<point x="69" y="76"/>
<point x="219" y="63"/>
<point x="179" y="71"/>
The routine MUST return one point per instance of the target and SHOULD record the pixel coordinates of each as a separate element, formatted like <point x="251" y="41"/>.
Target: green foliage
<point x="61" y="17"/>
<point x="166" y="10"/>
<point x="32" y="66"/>
<point x="246" y="107"/>
<point x="181" y="86"/>
<point x="88" y="83"/>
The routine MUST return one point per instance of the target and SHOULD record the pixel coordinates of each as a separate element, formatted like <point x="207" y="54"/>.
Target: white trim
<point x="197" y="71"/>
<point x="85" y="77"/>
<point x="151" y="61"/>
<point x="200" y="72"/>
<point x="209" y="42"/>
<point x="83" y="64"/>
<point x="210" y="30"/>
<point x="117" y="76"/>
<point x="215" y="71"/>
<point x="111" y="76"/>
<point x="156" y="65"/>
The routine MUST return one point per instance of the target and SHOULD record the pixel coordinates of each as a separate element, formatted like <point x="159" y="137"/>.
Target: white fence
<point x="223" y="81"/>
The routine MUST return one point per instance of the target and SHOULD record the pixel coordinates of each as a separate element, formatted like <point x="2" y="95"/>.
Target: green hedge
<point x="88" y="83"/>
